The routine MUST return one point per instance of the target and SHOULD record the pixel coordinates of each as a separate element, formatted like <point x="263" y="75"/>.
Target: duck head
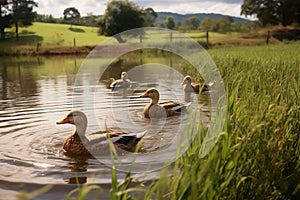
<point x="151" y="93"/>
<point x="77" y="118"/>
<point x="123" y="75"/>
<point x="186" y="80"/>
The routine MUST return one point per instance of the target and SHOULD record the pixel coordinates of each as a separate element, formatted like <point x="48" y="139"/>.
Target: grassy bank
<point x="257" y="156"/>
<point x="233" y="39"/>
<point x="51" y="37"/>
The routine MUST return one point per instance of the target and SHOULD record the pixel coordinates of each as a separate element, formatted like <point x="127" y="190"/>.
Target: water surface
<point x="37" y="92"/>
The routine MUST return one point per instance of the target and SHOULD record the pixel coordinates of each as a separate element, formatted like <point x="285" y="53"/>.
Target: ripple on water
<point x="30" y="141"/>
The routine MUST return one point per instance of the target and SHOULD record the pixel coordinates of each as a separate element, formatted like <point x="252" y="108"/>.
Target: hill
<point x="182" y="17"/>
<point x="161" y="17"/>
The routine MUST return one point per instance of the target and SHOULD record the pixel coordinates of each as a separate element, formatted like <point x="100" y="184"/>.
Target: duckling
<point x="122" y="83"/>
<point x="160" y="109"/>
<point x="78" y="144"/>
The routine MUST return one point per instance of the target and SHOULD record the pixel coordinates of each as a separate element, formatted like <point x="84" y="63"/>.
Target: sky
<point x="97" y="7"/>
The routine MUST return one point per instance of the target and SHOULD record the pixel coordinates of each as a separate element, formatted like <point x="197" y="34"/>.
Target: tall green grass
<point x="257" y="156"/>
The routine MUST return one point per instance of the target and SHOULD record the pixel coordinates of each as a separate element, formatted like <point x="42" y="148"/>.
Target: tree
<point x="206" y="24"/>
<point x="273" y="12"/>
<point x="236" y="26"/>
<point x="71" y="14"/>
<point x="247" y="26"/>
<point x="22" y="13"/>
<point x="90" y="20"/>
<point x="209" y="24"/>
<point x="225" y="24"/>
<point x="5" y="17"/>
<point x="170" y="22"/>
<point x="150" y="16"/>
<point x="194" y="22"/>
<point x="121" y="16"/>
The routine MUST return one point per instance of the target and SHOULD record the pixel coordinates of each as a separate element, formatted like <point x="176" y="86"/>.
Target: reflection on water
<point x="36" y="92"/>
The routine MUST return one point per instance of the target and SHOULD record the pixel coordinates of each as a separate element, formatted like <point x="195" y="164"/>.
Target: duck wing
<point x="120" y="84"/>
<point x="116" y="84"/>
<point x="201" y="86"/>
<point x="128" y="142"/>
<point x="173" y="108"/>
<point x="195" y="86"/>
<point x="168" y="104"/>
<point x="181" y="107"/>
<point x="124" y="141"/>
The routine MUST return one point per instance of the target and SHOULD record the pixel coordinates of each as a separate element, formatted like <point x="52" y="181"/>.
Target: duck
<point x="122" y="83"/>
<point x="78" y="144"/>
<point x="190" y="87"/>
<point x="157" y="109"/>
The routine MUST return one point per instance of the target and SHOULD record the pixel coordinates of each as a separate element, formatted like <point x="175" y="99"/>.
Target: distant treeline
<point x="223" y="24"/>
<point x="89" y="20"/>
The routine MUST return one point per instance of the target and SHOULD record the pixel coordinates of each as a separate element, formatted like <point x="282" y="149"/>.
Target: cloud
<point x="227" y="7"/>
<point x="56" y="8"/>
<point x="97" y="7"/>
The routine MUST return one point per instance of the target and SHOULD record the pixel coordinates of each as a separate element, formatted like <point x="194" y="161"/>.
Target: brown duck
<point x="157" y="109"/>
<point x="78" y="144"/>
<point x="189" y="86"/>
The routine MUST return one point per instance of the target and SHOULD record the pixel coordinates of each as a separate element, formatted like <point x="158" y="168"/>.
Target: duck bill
<point x="64" y="121"/>
<point x="145" y="95"/>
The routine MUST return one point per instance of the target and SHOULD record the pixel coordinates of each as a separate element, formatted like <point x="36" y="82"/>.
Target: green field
<point x="60" y="34"/>
<point x="61" y="38"/>
<point x="50" y="36"/>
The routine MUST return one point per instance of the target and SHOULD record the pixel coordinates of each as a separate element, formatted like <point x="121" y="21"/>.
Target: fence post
<point x="171" y="37"/>
<point x="141" y="41"/>
<point x="268" y="38"/>
<point x="74" y="41"/>
<point x="38" y="46"/>
<point x="207" y="36"/>
<point x="141" y="38"/>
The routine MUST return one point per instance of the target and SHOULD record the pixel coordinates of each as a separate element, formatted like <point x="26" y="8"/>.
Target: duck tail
<point x="131" y="138"/>
<point x="130" y="141"/>
<point x="182" y="108"/>
<point x="141" y="134"/>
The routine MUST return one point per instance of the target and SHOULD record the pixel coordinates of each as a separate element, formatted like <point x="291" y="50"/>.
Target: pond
<point x="36" y="92"/>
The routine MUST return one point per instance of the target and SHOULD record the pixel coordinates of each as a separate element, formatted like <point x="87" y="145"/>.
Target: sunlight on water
<point x="37" y="92"/>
